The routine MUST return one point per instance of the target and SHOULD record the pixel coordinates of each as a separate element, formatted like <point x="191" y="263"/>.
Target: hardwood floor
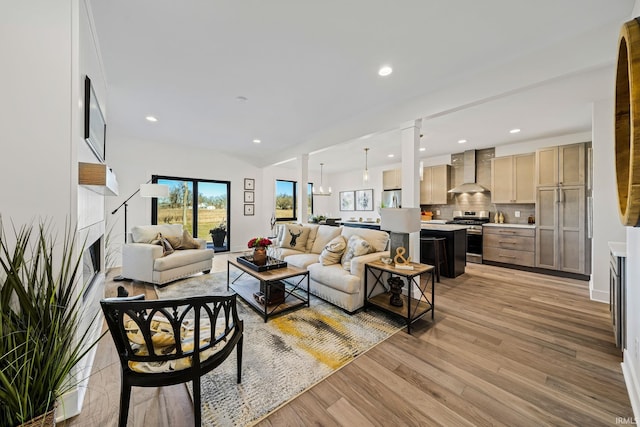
<point x="507" y="348"/>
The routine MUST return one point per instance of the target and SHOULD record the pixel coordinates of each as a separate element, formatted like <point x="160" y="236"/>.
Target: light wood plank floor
<point x="507" y="348"/>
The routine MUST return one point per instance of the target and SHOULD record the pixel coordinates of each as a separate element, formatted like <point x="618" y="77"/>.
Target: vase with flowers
<point x="259" y="245"/>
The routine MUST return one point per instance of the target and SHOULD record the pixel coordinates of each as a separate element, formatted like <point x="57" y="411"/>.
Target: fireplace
<point x="90" y="266"/>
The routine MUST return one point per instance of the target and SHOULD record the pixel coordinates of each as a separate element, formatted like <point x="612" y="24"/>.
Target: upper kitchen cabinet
<point x="435" y="184"/>
<point x="392" y="179"/>
<point x="563" y="165"/>
<point x="513" y="179"/>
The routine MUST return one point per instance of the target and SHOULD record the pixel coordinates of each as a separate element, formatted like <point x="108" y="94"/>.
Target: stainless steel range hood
<point x="469" y="184"/>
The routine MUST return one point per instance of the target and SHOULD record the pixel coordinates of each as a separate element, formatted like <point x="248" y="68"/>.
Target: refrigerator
<point x="392" y="198"/>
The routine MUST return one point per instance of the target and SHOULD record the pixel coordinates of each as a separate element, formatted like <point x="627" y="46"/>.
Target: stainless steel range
<point x="473" y="221"/>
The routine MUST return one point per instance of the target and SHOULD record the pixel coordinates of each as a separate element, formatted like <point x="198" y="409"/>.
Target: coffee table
<point x="289" y="278"/>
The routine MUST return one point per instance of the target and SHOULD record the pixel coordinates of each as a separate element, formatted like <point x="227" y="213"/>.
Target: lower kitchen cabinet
<point x="509" y="245"/>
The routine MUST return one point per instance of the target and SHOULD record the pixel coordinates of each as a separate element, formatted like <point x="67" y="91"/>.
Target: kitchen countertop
<point x="442" y="227"/>
<point x="359" y="222"/>
<point x="618" y="249"/>
<point x="493" y="224"/>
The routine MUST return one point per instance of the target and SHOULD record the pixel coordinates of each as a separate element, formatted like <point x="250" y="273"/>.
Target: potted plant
<point x="42" y="337"/>
<point x="218" y="234"/>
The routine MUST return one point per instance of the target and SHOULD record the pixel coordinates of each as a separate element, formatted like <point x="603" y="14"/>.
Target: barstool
<point x="439" y="246"/>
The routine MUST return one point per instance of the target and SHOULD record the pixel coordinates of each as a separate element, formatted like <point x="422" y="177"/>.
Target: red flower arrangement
<point x="259" y="241"/>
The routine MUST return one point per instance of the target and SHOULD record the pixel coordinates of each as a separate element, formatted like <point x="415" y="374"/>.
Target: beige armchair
<point x="147" y="262"/>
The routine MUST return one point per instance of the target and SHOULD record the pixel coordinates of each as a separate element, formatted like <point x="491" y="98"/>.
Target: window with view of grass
<point x="208" y="211"/>
<point x="286" y="200"/>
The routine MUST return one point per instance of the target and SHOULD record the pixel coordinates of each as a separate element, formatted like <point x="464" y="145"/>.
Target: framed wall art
<point x="249" y="184"/>
<point x="249" y="197"/>
<point x="364" y="200"/>
<point x="347" y="201"/>
<point x="94" y="126"/>
<point x="249" y="210"/>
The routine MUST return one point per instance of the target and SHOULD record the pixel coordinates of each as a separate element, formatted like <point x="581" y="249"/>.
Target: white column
<point x="606" y="221"/>
<point x="303" y="195"/>
<point x="410" y="146"/>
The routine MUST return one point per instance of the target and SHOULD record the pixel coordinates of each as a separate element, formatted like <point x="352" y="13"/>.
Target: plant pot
<point x="45" y="420"/>
<point x="260" y="255"/>
<point x="218" y="238"/>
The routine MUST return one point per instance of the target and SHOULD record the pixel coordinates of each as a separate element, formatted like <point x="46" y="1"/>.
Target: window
<point x="286" y="199"/>
<point x="209" y="210"/>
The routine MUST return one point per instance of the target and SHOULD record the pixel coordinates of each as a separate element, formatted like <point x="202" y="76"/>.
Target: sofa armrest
<point x="357" y="263"/>
<point x="202" y="242"/>
<point x="138" y="260"/>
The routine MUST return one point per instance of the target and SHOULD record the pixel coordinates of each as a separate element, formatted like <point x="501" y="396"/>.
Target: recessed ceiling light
<point x="462" y="141"/>
<point x="423" y="149"/>
<point x="151" y="119"/>
<point x="256" y="141"/>
<point x="390" y="155"/>
<point x="514" y="131"/>
<point x="385" y="70"/>
<point x="242" y="98"/>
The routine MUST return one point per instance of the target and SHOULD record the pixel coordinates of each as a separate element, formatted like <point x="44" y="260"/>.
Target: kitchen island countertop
<point x="443" y="227"/>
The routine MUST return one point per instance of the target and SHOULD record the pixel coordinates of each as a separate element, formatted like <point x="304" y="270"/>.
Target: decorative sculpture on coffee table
<point x="395" y="285"/>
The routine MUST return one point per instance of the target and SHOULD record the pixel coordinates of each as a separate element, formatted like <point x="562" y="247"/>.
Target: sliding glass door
<point x="200" y="205"/>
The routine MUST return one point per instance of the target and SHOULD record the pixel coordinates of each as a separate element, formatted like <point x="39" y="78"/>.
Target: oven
<point x="473" y="221"/>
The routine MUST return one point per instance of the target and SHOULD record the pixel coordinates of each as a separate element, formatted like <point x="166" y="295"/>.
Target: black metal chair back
<point x="142" y="344"/>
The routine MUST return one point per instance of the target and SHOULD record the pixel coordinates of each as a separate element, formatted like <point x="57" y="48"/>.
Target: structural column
<point x="303" y="194"/>
<point x="410" y="146"/>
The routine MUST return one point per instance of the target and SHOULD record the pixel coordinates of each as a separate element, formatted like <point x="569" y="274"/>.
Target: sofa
<point x="160" y="254"/>
<point x="339" y="283"/>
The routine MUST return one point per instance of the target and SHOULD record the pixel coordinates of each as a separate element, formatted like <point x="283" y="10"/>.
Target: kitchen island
<point x="456" y="246"/>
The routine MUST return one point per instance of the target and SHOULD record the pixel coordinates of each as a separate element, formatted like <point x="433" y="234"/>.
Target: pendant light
<point x="321" y="191"/>
<point x="365" y="174"/>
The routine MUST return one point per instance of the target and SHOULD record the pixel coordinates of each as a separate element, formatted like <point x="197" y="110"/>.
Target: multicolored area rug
<point x="283" y="357"/>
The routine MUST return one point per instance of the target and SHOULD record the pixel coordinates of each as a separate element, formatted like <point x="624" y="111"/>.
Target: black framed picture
<point x="95" y="128"/>
<point x="364" y="200"/>
<point x="249" y="184"/>
<point x="249" y="197"/>
<point x="248" y="210"/>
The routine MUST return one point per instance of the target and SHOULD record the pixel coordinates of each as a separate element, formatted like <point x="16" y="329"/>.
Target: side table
<point x="413" y="306"/>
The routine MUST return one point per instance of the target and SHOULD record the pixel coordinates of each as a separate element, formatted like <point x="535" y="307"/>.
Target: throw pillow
<point x="295" y="237"/>
<point x="167" y="249"/>
<point x="332" y="252"/>
<point x="356" y="246"/>
<point x="186" y="241"/>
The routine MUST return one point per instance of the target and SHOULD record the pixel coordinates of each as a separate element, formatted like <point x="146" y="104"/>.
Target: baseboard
<point x="599" y="296"/>
<point x="633" y="385"/>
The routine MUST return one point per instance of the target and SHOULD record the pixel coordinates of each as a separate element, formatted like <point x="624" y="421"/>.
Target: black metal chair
<point x="145" y="331"/>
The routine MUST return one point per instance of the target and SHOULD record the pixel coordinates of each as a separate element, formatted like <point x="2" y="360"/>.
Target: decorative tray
<point x="272" y="263"/>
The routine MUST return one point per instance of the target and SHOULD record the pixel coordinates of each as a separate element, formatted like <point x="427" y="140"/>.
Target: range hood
<point x="469" y="183"/>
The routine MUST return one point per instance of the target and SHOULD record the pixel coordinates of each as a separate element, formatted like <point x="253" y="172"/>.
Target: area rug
<point x="283" y="357"/>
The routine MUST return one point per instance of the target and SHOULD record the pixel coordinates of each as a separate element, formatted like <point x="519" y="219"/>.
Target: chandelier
<point x="320" y="191"/>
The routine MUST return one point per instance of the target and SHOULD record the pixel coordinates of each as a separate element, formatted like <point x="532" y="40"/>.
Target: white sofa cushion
<point x="148" y="233"/>
<point x="301" y="260"/>
<point x="332" y="252"/>
<point x="313" y="230"/>
<point x="336" y="277"/>
<point x="181" y="258"/>
<point x="295" y="237"/>
<point x="378" y="239"/>
<point x="325" y="234"/>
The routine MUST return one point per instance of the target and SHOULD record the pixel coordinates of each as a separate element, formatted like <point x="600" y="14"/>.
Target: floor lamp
<point x="400" y="222"/>
<point x="145" y="190"/>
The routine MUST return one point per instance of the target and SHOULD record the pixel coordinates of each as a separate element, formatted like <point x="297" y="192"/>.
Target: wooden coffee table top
<point x="269" y="275"/>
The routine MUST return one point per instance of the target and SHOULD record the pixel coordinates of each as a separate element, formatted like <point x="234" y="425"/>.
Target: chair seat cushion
<point x="164" y="343"/>
<point x="181" y="258"/>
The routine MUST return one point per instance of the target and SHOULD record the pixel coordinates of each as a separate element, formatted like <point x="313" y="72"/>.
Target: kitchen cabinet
<point x="560" y="228"/>
<point x="392" y="179"/>
<point x="513" y="179"/>
<point x="561" y="240"/>
<point x="563" y="165"/>
<point x="435" y="184"/>
<point x="509" y="245"/>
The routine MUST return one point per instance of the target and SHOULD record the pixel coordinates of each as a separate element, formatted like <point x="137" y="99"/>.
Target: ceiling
<point x="301" y="76"/>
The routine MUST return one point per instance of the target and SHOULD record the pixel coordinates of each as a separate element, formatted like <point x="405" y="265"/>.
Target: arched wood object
<point x="627" y="133"/>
